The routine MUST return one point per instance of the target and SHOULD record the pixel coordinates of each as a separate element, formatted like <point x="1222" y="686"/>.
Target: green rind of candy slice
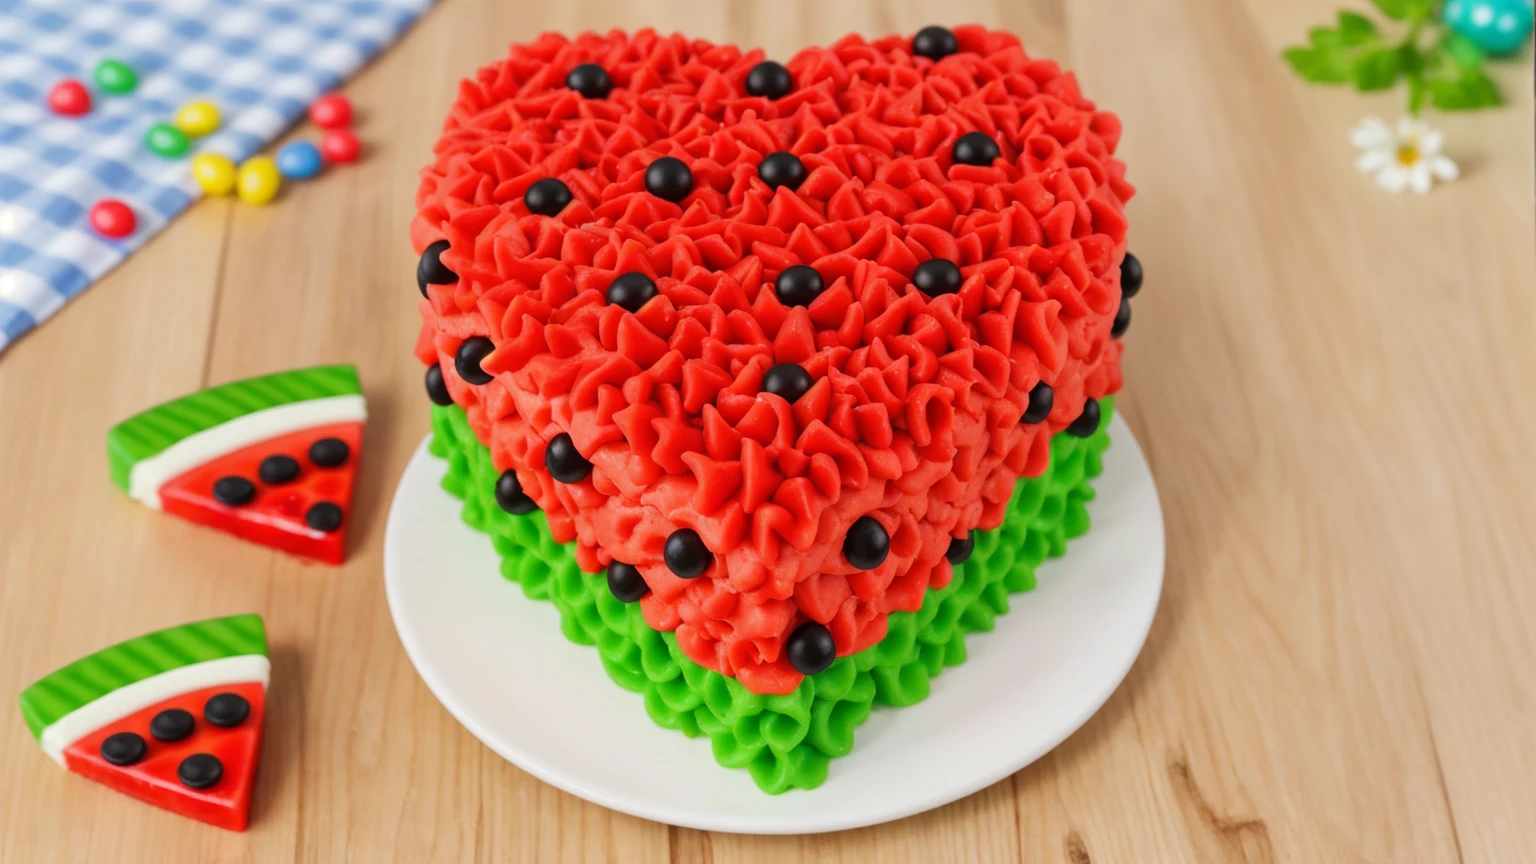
<point x="150" y="432"/>
<point x="785" y="742"/>
<point x="90" y="678"/>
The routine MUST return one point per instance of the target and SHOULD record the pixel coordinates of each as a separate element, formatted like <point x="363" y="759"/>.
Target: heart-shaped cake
<point x="778" y="348"/>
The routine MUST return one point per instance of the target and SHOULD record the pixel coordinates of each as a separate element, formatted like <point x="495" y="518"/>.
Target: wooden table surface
<point x="1325" y="378"/>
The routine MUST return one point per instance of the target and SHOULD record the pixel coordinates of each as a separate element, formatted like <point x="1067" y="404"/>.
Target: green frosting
<point x="785" y="742"/>
<point x="90" y="678"/>
<point x="149" y="432"/>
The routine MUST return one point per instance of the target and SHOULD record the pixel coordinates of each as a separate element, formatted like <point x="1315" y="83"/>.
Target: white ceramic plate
<point x="499" y="663"/>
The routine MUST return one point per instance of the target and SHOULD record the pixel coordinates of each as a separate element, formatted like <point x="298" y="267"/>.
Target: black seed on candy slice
<point x="781" y="169"/>
<point x="798" y="285"/>
<point x="547" y="197"/>
<point x="1087" y="422"/>
<point x="866" y="545"/>
<point x="788" y="380"/>
<point x="200" y="771"/>
<point x="1130" y="275"/>
<point x="329" y="452"/>
<point x="975" y="148"/>
<point x="626" y="583"/>
<point x="226" y="710"/>
<point x="686" y="555"/>
<point x="437" y="390"/>
<point x="278" y="469"/>
<point x="510" y="496"/>
<point x="123" y="748"/>
<point x="172" y="724"/>
<point x="960" y="548"/>
<point x="769" y="79"/>
<point x="233" y="491"/>
<point x="937" y="276"/>
<point x="631" y="291"/>
<point x="935" y="43"/>
<point x="1041" y="398"/>
<point x="431" y="270"/>
<point x="564" y="461"/>
<point x="811" y="648"/>
<point x="467" y="359"/>
<point x="1122" y="319"/>
<point x="323" y="516"/>
<point x="590" y="80"/>
<point x="669" y="179"/>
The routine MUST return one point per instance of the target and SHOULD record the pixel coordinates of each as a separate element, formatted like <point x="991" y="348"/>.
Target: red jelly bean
<point x="340" y="146"/>
<point x="70" y="98"/>
<point x="331" y="112"/>
<point x="112" y="218"/>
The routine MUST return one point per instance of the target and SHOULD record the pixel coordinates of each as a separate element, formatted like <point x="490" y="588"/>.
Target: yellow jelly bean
<point x="258" y="180"/>
<point x="214" y="172"/>
<point x="198" y="117"/>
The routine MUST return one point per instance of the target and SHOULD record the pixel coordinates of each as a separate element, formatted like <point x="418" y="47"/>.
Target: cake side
<point x="784" y="741"/>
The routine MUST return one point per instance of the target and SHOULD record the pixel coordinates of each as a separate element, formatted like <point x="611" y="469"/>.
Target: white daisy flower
<point x="1407" y="157"/>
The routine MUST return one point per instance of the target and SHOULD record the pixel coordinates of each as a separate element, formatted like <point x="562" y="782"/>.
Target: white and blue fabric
<point x="262" y="62"/>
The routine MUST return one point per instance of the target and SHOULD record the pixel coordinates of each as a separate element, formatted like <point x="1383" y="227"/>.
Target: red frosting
<point x="913" y="417"/>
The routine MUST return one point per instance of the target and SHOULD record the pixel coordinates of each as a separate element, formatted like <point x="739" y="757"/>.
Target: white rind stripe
<point x="148" y="475"/>
<point x="141" y="694"/>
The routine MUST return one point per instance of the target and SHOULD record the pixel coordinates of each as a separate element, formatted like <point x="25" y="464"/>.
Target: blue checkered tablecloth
<point x="261" y="61"/>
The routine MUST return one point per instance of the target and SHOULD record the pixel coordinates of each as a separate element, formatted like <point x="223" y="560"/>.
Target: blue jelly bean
<point x="298" y="160"/>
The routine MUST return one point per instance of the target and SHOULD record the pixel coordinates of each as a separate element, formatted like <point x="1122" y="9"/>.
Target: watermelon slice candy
<point x="271" y="459"/>
<point x="172" y="718"/>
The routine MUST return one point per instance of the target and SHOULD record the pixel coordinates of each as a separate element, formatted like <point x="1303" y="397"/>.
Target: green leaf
<point x="1473" y="89"/>
<point x="1460" y="50"/>
<point x="1330" y="53"/>
<point x="1377" y="68"/>
<point x="1418" y="93"/>
<point x="1317" y="66"/>
<point x="1404" y="10"/>
<point x="1356" y="29"/>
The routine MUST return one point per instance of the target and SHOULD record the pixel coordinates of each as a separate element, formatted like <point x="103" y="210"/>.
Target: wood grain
<point x="1327" y="381"/>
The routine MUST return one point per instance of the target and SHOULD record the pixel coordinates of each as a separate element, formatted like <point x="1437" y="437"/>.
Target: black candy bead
<point x="781" y="169"/>
<point x="960" y="548"/>
<point x="467" y="359"/>
<point x="686" y="555"/>
<point x="798" y="285"/>
<point x="631" y="291"/>
<point x="937" y="276"/>
<point x="510" y="496"/>
<point x="1087" y="422"/>
<point x="278" y="469"/>
<point x="935" y="43"/>
<point x="788" y="380"/>
<point x="547" y="197"/>
<point x="590" y="80"/>
<point x="431" y="270"/>
<point x="200" y="771"/>
<point x="233" y="491"/>
<point x="626" y="583"/>
<point x="1122" y="319"/>
<point x="329" y="452"/>
<point x="1041" y="398"/>
<point x="811" y="648"/>
<point x="1130" y="275"/>
<point x="123" y="748"/>
<point x="564" y="461"/>
<point x="226" y="710"/>
<point x="669" y="179"/>
<point x="437" y="391"/>
<point x="323" y="516"/>
<point x="867" y="544"/>
<point x="975" y="148"/>
<point x="769" y="79"/>
<point x="172" y="724"/>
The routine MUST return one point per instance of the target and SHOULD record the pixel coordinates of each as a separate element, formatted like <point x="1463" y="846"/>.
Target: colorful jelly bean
<point x="1496" y="27"/>
<point x="331" y="112"/>
<point x="340" y="146"/>
<point x="166" y="140"/>
<point x="214" y="172"/>
<point x="258" y="180"/>
<point x="298" y="160"/>
<point x="198" y="118"/>
<point x="115" y="76"/>
<point x="69" y="98"/>
<point x="112" y="218"/>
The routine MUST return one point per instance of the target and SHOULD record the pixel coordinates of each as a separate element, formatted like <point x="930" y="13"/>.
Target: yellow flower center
<point x="1407" y="155"/>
